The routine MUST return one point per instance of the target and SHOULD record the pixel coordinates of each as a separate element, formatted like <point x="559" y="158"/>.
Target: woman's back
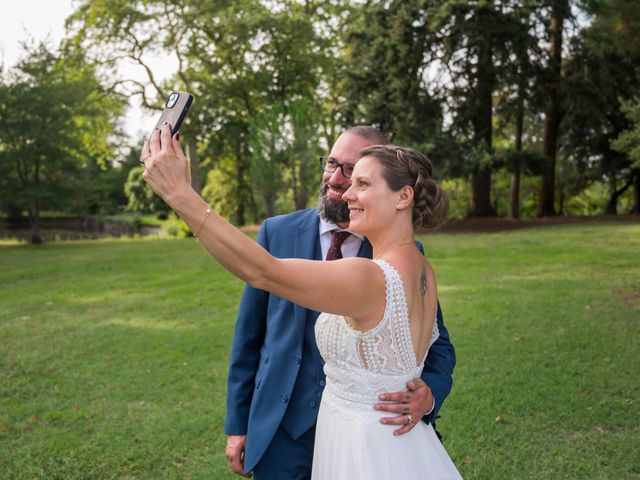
<point x="421" y="296"/>
<point x="361" y="365"/>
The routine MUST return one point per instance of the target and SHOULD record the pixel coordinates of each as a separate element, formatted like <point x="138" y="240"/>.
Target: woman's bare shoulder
<point x="410" y="264"/>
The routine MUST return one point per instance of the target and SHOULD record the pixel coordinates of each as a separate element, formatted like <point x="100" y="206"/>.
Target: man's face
<point x="345" y="151"/>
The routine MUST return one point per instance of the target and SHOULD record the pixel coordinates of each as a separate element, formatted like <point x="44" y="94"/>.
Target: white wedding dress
<point x="351" y="443"/>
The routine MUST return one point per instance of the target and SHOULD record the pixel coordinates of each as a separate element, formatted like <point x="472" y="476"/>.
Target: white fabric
<point x="350" y="246"/>
<point x="351" y="443"/>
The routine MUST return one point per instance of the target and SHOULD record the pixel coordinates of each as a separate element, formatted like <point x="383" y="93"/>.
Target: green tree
<point x="559" y="12"/>
<point x="113" y="33"/>
<point x="629" y="142"/>
<point x="265" y="70"/>
<point x="601" y="76"/>
<point x="55" y="120"/>
<point x="387" y="47"/>
<point x="516" y="101"/>
<point x="237" y="58"/>
<point x="475" y="45"/>
<point x="284" y="152"/>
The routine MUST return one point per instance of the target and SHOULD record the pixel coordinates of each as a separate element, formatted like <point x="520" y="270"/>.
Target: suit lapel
<point x="306" y="246"/>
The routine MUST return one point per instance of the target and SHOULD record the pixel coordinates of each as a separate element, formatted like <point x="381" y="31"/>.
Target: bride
<point x="378" y="325"/>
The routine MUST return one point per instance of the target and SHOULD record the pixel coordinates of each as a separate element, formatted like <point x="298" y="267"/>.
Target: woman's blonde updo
<point x="403" y="166"/>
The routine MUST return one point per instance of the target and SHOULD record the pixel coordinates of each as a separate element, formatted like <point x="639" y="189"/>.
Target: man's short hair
<point x="370" y="133"/>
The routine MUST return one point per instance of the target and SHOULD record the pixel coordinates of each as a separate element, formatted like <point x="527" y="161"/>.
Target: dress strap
<point x="396" y="313"/>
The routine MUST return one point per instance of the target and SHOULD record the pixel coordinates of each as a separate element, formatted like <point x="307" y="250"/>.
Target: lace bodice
<point x="361" y="365"/>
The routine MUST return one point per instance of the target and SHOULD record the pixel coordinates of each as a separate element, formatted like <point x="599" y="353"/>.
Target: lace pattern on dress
<point x="361" y="365"/>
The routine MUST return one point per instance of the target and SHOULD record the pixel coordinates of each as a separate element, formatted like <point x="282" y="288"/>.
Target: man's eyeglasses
<point x="330" y="165"/>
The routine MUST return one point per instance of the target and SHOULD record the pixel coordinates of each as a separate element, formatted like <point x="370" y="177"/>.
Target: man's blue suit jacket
<point x="268" y="341"/>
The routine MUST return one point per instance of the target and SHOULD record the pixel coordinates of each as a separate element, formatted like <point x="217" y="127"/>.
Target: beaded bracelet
<point x="208" y="212"/>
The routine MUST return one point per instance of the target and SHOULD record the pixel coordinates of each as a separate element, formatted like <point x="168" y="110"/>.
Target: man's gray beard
<point x="334" y="211"/>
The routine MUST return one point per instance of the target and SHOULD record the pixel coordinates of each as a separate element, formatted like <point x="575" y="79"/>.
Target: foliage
<point x="458" y="196"/>
<point x="245" y="62"/>
<point x="629" y="140"/>
<point x="104" y="185"/>
<point x="175" y="227"/>
<point x="218" y="191"/>
<point x="469" y="83"/>
<point x="386" y="48"/>
<point x="602" y="76"/>
<point x="140" y="198"/>
<point x="56" y="125"/>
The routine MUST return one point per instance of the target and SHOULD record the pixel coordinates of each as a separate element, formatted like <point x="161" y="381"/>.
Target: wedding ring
<point x="409" y="419"/>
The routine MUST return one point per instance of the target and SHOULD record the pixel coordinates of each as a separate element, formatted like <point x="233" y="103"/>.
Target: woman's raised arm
<point x="354" y="287"/>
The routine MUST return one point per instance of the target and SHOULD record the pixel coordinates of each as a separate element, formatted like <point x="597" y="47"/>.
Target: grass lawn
<point x="114" y="355"/>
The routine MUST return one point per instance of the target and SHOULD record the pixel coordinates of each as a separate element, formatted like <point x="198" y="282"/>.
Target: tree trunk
<point x="480" y="194"/>
<point x="546" y="197"/>
<point x="636" y="193"/>
<point x="612" y="204"/>
<point x="34" y="224"/>
<point x="240" y="183"/>
<point x="553" y="113"/>
<point x="270" y="203"/>
<point x="34" y="208"/>
<point x="194" y="166"/>
<point x="615" y="193"/>
<point x="295" y="181"/>
<point x="514" y="204"/>
<point x="481" y="178"/>
<point x="301" y="198"/>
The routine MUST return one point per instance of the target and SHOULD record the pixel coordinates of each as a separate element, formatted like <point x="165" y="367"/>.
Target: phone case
<point x="175" y="109"/>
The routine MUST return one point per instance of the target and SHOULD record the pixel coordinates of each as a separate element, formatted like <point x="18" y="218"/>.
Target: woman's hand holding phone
<point x="166" y="166"/>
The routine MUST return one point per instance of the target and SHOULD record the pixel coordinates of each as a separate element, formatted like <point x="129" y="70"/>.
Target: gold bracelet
<point x="208" y="212"/>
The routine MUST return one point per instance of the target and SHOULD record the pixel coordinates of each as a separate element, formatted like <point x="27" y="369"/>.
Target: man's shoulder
<point x="291" y="219"/>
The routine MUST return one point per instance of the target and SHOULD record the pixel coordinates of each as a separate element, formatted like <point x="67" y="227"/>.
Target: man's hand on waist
<point x="411" y="405"/>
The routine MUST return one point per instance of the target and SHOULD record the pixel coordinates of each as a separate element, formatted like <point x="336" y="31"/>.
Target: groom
<point x="275" y="373"/>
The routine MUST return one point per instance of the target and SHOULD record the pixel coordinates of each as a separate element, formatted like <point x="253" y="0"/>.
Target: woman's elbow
<point x="264" y="277"/>
<point x="257" y="280"/>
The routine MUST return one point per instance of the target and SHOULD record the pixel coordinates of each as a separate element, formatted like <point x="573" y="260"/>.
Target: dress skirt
<point x="352" y="444"/>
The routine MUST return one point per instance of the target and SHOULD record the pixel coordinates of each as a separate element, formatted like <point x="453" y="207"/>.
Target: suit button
<point x="285" y="398"/>
<point x="312" y="403"/>
<point x="322" y="383"/>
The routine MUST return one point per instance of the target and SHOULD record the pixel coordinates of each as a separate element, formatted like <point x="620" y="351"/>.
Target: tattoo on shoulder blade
<point x="423" y="282"/>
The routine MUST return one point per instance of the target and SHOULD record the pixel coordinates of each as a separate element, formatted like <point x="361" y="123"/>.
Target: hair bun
<point x="431" y="206"/>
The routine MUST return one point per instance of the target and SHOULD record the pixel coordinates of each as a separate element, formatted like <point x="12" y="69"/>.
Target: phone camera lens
<point x="173" y="98"/>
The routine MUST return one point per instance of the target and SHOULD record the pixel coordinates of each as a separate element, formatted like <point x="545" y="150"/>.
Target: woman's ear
<point x="405" y="198"/>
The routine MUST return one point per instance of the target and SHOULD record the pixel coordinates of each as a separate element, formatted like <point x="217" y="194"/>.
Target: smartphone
<point x="175" y="109"/>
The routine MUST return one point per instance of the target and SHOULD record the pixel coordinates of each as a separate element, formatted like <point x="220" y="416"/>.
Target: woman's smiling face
<point x="372" y="204"/>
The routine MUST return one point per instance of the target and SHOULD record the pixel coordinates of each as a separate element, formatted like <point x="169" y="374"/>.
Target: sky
<point x="26" y="19"/>
<point x="37" y="20"/>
